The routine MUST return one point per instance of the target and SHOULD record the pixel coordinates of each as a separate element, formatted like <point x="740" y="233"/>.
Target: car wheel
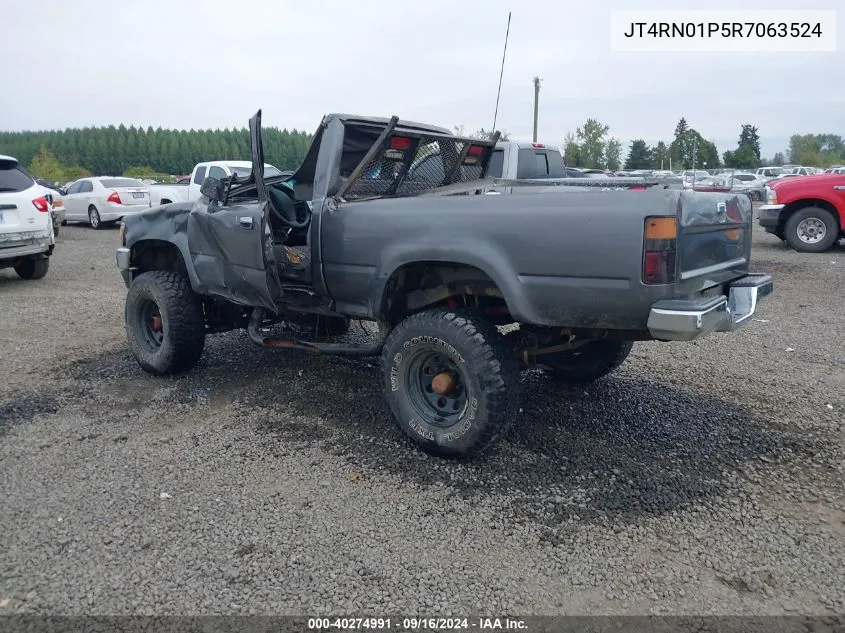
<point x="451" y="382"/>
<point x="164" y="322"/>
<point x="34" y="267"/>
<point x="94" y="218"/>
<point x="811" y="230"/>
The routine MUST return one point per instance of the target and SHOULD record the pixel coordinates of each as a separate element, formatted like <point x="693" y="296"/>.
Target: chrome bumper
<point x="685" y="320"/>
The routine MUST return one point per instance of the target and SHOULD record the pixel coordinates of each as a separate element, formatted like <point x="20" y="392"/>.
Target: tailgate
<point x="714" y="240"/>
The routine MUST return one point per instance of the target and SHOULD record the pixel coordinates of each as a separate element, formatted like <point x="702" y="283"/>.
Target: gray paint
<point x="573" y="260"/>
<point x="564" y="260"/>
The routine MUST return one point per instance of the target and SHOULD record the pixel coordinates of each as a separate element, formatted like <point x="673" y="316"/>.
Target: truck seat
<point x="293" y="262"/>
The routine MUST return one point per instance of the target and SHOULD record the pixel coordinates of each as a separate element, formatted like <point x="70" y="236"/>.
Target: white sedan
<point x="105" y="199"/>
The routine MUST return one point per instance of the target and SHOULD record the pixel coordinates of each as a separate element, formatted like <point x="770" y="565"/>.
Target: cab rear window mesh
<point x="416" y="165"/>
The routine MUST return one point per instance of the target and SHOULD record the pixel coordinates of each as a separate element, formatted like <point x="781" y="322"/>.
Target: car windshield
<point x="111" y="183"/>
<point x="241" y="172"/>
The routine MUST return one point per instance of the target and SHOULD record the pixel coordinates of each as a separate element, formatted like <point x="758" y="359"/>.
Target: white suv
<point x="26" y="221"/>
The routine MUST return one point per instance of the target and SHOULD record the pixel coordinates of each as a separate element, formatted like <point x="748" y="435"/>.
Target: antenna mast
<point x="501" y="74"/>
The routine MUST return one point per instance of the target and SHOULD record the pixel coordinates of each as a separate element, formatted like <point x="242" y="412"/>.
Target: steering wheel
<point x="285" y="209"/>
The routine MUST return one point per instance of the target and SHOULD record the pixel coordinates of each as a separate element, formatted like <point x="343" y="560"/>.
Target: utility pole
<point x="536" y="104"/>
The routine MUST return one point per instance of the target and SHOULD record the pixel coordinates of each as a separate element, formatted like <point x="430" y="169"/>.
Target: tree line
<point x="74" y="153"/>
<point x="591" y="147"/>
<point x="65" y="155"/>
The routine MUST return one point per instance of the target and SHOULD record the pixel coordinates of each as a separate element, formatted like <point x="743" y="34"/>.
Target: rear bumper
<point x="685" y="320"/>
<point x="114" y="212"/>
<point x="768" y="216"/>
<point x="21" y="247"/>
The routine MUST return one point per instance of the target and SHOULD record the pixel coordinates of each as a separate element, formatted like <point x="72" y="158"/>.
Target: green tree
<point x="639" y="156"/>
<point x="571" y="151"/>
<point x="743" y="157"/>
<point x="749" y="137"/>
<point x="612" y="154"/>
<point x="591" y="139"/>
<point x="660" y="156"/>
<point x="44" y="165"/>
<point x="778" y="159"/>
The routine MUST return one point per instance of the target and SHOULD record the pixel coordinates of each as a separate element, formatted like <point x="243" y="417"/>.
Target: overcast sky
<point x="212" y="63"/>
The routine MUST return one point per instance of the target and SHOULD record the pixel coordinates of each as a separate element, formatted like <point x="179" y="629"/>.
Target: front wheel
<point x="811" y="230"/>
<point x="587" y="363"/>
<point x="450" y="381"/>
<point x="165" y="327"/>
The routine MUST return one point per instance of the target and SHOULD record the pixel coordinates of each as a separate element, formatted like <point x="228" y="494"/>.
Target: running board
<point x="325" y="349"/>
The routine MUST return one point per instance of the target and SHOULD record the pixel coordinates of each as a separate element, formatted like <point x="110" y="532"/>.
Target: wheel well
<point x="157" y="255"/>
<point x="792" y="207"/>
<point x="166" y="201"/>
<point x="423" y="285"/>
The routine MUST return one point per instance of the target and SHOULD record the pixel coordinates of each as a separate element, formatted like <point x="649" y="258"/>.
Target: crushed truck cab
<point x="388" y="221"/>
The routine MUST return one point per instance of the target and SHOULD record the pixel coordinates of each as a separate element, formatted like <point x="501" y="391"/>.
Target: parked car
<point x="102" y="200"/>
<point x="438" y="268"/>
<point x="809" y="212"/>
<point x="188" y="190"/>
<point x="749" y="184"/>
<point x="57" y="205"/>
<point x="513" y="160"/>
<point x="767" y="173"/>
<point x="26" y="221"/>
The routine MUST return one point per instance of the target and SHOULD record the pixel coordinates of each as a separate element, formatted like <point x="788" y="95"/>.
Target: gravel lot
<point x="700" y="478"/>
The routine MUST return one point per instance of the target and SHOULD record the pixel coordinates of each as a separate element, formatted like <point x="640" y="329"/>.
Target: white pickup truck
<point x="190" y="190"/>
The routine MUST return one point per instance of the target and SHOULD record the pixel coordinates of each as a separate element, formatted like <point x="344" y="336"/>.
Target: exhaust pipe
<point x="326" y="349"/>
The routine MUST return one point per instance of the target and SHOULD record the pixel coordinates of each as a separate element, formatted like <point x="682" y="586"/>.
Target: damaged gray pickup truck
<point x="366" y="230"/>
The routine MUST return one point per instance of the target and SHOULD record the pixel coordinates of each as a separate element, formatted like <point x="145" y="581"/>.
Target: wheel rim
<point x="811" y="230"/>
<point x="149" y="325"/>
<point x="437" y="388"/>
<point x="94" y="217"/>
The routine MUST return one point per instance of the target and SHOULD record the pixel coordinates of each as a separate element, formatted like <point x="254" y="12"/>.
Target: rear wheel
<point x="165" y="327"/>
<point x="33" y="267"/>
<point x="450" y="381"/>
<point x="811" y="230"/>
<point x="94" y="218"/>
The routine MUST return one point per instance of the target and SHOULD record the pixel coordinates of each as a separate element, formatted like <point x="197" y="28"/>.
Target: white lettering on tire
<point x="433" y="340"/>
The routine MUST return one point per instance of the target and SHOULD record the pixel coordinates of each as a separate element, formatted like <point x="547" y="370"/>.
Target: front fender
<point x="166" y="224"/>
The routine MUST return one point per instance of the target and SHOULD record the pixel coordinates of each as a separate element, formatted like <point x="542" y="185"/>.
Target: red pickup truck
<point x="807" y="211"/>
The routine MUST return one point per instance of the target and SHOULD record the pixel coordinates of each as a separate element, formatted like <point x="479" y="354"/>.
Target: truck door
<point x="231" y="246"/>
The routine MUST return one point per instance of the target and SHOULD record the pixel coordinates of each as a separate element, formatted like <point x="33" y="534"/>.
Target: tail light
<point x="659" y="250"/>
<point x="537" y="145"/>
<point x="397" y="147"/>
<point x="400" y="142"/>
<point x="474" y="154"/>
<point x="637" y="188"/>
<point x="41" y="204"/>
<point x="114" y="197"/>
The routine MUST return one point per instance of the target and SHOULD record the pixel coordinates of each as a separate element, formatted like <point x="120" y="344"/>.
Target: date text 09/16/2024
<point x="411" y="624"/>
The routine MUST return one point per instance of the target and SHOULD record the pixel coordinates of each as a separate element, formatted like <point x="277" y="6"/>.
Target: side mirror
<point x="213" y="189"/>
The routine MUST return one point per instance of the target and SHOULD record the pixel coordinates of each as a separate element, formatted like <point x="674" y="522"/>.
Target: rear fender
<point x="482" y="256"/>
